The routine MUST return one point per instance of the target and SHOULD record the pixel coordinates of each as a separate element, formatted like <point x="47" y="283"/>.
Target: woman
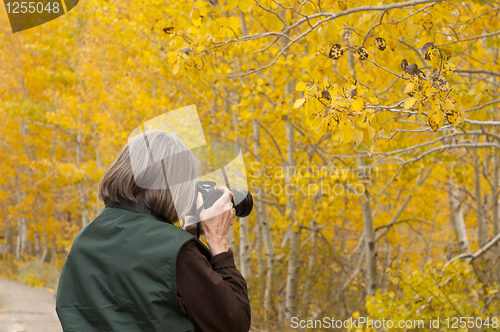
<point x="132" y="269"/>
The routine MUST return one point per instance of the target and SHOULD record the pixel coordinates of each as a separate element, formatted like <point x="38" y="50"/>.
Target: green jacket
<point x="120" y="275"/>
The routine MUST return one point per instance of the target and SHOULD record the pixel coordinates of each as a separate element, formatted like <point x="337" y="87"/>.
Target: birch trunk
<point x="350" y="59"/>
<point x="457" y="218"/>
<point x="21" y="239"/>
<point x="244" y="252"/>
<point x="38" y="245"/>
<point x="266" y="228"/>
<point x="370" y="240"/>
<point x="45" y="248"/>
<point x="83" y="200"/>
<point x="244" y="247"/>
<point x="307" y="302"/>
<point x="258" y="243"/>
<point x="482" y="226"/>
<point x="496" y="176"/>
<point x="494" y="191"/>
<point x="8" y="237"/>
<point x="53" y="258"/>
<point x="370" y="244"/>
<point x="231" y="243"/>
<point x="292" y="275"/>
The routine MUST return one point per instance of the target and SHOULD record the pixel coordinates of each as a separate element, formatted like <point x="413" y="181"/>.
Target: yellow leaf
<point x="409" y="102"/>
<point x="176" y="68"/>
<point x="317" y="123"/>
<point x="357" y="104"/>
<point x="448" y="68"/>
<point x="304" y="63"/>
<point x="478" y="97"/>
<point x="245" y="5"/>
<point x="275" y="23"/>
<point x="224" y="21"/>
<point x="411" y="28"/>
<point x="371" y="132"/>
<point x="299" y="102"/>
<point x="467" y="101"/>
<point x="301" y="86"/>
<point x="203" y="11"/>
<point x="447" y="105"/>
<point x="231" y="4"/>
<point x="331" y="33"/>
<point x="409" y="88"/>
<point x="234" y="23"/>
<point x="433" y="124"/>
<point x="453" y="117"/>
<point x="420" y="108"/>
<point x="480" y="115"/>
<point x="358" y="137"/>
<point x="362" y="89"/>
<point x="348" y="135"/>
<point x="436" y="119"/>
<point x="363" y="121"/>
<point x="372" y="148"/>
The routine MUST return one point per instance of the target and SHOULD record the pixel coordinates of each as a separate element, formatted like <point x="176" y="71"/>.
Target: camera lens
<point x="243" y="202"/>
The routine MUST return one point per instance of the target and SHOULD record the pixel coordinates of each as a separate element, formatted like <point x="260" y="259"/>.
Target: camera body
<point x="242" y="200"/>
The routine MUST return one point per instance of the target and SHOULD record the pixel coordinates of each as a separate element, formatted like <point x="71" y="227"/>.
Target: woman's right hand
<point x="216" y="220"/>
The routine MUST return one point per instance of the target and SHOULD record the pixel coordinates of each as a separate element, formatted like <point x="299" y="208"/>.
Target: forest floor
<point x="26" y="308"/>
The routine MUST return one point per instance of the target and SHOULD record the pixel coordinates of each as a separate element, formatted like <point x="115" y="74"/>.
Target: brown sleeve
<point x="214" y="296"/>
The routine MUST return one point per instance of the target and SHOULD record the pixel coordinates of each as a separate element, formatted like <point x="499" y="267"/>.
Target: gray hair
<point x="157" y="168"/>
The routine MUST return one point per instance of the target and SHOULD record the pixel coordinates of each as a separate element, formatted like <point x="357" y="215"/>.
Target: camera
<point x="242" y="200"/>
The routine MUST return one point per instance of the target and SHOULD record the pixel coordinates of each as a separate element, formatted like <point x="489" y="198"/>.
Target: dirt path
<point x="26" y="308"/>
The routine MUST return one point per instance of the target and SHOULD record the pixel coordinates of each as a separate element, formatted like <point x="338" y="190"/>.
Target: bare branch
<point x="394" y="219"/>
<point x="483" y="123"/>
<point x="477" y="71"/>
<point x="471" y="38"/>
<point x="329" y="17"/>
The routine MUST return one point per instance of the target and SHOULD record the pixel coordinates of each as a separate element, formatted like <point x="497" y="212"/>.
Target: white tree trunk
<point x="292" y="275"/>
<point x="370" y="240"/>
<point x="231" y="243"/>
<point x="8" y="237"/>
<point x="38" y="245"/>
<point x="53" y="258"/>
<point x="259" y="245"/>
<point x="21" y="239"/>
<point x="314" y="229"/>
<point x="245" y="255"/>
<point x="79" y="159"/>
<point x="482" y="225"/>
<point x="496" y="176"/>
<point x="457" y="218"/>
<point x="370" y="244"/>
<point x="261" y="215"/>
<point x="45" y="248"/>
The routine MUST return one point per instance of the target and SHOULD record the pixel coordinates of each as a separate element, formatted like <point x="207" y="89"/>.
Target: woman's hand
<point x="216" y="220"/>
